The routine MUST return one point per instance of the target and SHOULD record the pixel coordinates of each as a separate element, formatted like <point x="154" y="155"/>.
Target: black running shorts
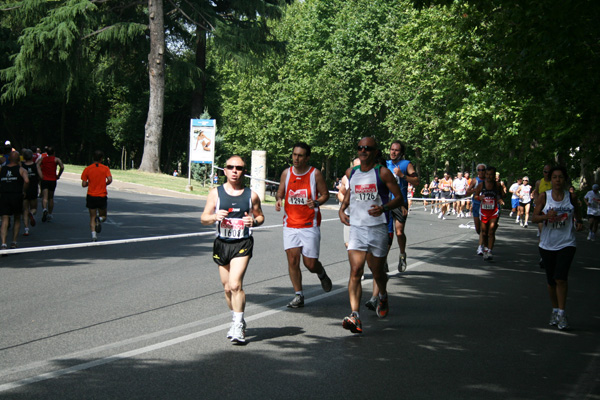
<point x="11" y="203"/>
<point x="93" y="202"/>
<point x="32" y="192"/>
<point x="557" y="263"/>
<point x="397" y="215"/>
<point x="50" y="185"/>
<point x="225" y="251"/>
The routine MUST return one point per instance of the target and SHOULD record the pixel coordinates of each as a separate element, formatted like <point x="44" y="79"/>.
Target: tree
<point x="156" y="72"/>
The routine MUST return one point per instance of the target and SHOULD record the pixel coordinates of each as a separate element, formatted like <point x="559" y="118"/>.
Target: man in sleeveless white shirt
<point x="369" y="187"/>
<point x="303" y="189"/>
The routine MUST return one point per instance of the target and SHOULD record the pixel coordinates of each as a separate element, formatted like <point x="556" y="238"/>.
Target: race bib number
<point x="488" y="204"/>
<point x="558" y="222"/>
<point x="231" y="228"/>
<point x="298" y="197"/>
<point x="366" y="192"/>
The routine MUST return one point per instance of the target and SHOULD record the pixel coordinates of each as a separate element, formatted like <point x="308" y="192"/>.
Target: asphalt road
<point x="148" y="320"/>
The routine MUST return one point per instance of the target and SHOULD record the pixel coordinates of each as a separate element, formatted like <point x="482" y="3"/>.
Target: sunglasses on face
<point x="236" y="167"/>
<point x="365" y="148"/>
<point x="480" y="170"/>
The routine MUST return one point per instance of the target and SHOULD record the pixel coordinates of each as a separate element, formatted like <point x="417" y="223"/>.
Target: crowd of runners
<point x="375" y="195"/>
<point x="30" y="175"/>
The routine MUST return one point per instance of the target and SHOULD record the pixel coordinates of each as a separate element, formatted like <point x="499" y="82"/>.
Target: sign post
<point x="202" y="145"/>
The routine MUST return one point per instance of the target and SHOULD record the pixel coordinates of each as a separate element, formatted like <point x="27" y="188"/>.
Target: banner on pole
<point x="202" y="140"/>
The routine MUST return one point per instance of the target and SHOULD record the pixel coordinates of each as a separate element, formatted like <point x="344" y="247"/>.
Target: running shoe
<point x="553" y="318"/>
<point x="490" y="256"/>
<point x="239" y="333"/>
<point x="562" y="322"/>
<point x="402" y="262"/>
<point x="98" y="225"/>
<point x="231" y="330"/>
<point x="297" y="302"/>
<point x="486" y="256"/>
<point x="443" y="218"/>
<point x="521" y="223"/>
<point x="45" y="216"/>
<point x="4" y="247"/>
<point x="525" y="225"/>
<point x="31" y="219"/>
<point x="480" y="250"/>
<point x="326" y="283"/>
<point x="511" y="214"/>
<point x="382" y="308"/>
<point x="538" y="233"/>
<point x="352" y="323"/>
<point x="441" y="215"/>
<point x="50" y="217"/>
<point x="517" y="220"/>
<point x="431" y="211"/>
<point x="26" y="233"/>
<point x="589" y="237"/>
<point x="13" y="245"/>
<point x="372" y="303"/>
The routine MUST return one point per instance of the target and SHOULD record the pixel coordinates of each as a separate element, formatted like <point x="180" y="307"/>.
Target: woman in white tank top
<point x="557" y="210"/>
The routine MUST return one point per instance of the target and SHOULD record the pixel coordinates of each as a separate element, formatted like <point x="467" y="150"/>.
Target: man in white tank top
<point x="367" y="196"/>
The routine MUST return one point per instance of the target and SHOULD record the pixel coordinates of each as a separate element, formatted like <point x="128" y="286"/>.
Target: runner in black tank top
<point x="234" y="209"/>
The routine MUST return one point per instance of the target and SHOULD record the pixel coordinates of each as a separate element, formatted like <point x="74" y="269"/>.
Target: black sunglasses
<point x="480" y="169"/>
<point x="236" y="167"/>
<point x="365" y="148"/>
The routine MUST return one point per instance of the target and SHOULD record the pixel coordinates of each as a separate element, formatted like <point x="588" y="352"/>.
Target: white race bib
<point x="298" y="198"/>
<point x="366" y="192"/>
<point x="231" y="228"/>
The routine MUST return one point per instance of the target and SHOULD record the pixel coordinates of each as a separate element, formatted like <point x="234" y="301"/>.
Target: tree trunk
<point x="198" y="96"/>
<point x="156" y="71"/>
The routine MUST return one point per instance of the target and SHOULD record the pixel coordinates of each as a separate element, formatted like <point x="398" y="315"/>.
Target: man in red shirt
<point x="96" y="177"/>
<point x="47" y="171"/>
<point x="303" y="189"/>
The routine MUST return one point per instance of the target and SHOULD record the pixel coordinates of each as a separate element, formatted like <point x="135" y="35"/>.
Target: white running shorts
<point x="372" y="239"/>
<point x="307" y="238"/>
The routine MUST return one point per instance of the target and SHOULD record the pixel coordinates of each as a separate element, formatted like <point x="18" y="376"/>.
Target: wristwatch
<point x="317" y="204"/>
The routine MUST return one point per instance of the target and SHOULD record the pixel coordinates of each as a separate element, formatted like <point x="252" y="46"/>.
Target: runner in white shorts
<point x="369" y="187"/>
<point x="304" y="189"/>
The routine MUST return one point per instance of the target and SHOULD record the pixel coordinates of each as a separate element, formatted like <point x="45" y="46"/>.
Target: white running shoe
<point x="589" y="236"/>
<point x="517" y="220"/>
<point x="562" y="322"/>
<point x="239" y="333"/>
<point x="511" y="214"/>
<point x="490" y="255"/>
<point x="480" y="250"/>
<point x="538" y="233"/>
<point x="521" y="223"/>
<point x="432" y="211"/>
<point x="485" y="255"/>
<point x="441" y="215"/>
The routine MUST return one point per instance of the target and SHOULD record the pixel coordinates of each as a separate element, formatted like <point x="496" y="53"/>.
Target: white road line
<point x="178" y="340"/>
<point x="125" y="241"/>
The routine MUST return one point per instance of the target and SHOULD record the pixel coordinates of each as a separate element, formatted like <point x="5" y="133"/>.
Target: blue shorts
<point x="514" y="203"/>
<point x="476" y="209"/>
